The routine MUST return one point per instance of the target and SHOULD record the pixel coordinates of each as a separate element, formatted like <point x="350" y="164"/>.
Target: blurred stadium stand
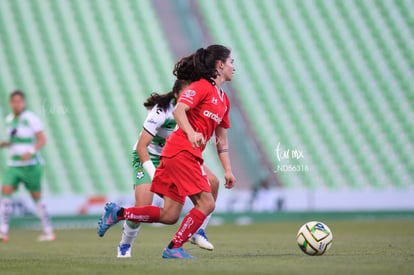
<point x="87" y="66"/>
<point x="333" y="79"/>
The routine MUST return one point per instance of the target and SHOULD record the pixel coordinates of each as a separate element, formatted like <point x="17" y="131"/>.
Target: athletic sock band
<point x="147" y="214"/>
<point x="191" y="223"/>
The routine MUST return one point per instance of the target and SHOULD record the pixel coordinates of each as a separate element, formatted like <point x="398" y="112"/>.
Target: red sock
<point x="147" y="214"/>
<point x="191" y="223"/>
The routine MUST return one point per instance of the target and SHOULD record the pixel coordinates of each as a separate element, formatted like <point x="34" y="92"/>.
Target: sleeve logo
<point x="189" y="93"/>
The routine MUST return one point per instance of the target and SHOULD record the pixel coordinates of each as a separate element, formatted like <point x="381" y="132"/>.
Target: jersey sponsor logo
<point x="214" y="117"/>
<point x="143" y="218"/>
<point x="152" y="121"/>
<point x="189" y="93"/>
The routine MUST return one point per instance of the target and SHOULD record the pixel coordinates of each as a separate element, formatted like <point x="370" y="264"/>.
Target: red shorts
<point x="180" y="176"/>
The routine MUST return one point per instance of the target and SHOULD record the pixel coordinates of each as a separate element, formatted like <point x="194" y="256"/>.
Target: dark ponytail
<point x="201" y="64"/>
<point x="163" y="100"/>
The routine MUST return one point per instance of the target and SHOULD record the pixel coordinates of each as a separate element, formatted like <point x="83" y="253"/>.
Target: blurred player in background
<point x="158" y="125"/>
<point x="25" y="163"/>
<point x="201" y="111"/>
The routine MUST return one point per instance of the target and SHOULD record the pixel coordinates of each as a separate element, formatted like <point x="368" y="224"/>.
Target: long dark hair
<point x="201" y="64"/>
<point x="163" y="100"/>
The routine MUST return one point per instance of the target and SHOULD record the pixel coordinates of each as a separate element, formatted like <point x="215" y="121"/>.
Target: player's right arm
<point x="190" y="99"/>
<point x="154" y="120"/>
<point x="180" y="115"/>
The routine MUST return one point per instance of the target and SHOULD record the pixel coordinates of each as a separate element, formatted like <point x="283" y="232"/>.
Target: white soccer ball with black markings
<point x="314" y="238"/>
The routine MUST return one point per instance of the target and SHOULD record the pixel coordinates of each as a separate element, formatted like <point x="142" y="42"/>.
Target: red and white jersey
<point x="209" y="108"/>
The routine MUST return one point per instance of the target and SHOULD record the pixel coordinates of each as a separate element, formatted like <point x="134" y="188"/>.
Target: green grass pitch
<point x="359" y="247"/>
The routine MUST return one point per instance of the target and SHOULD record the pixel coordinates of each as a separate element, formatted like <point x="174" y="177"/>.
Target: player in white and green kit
<point x="158" y="125"/>
<point x="24" y="165"/>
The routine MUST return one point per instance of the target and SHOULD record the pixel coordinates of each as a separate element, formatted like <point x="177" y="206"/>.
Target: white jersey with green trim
<point x="160" y="124"/>
<point x="22" y="131"/>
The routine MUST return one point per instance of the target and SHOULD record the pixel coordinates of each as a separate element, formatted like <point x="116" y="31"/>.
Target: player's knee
<point x="209" y="205"/>
<point x="171" y="219"/>
<point x="214" y="190"/>
<point x="214" y="181"/>
<point x="212" y="206"/>
<point x="36" y="196"/>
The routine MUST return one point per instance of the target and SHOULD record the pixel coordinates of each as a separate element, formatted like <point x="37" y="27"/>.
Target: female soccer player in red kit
<point x="201" y="111"/>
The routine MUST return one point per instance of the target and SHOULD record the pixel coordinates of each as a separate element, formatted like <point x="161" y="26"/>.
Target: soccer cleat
<point x="46" y="237"/>
<point x="176" y="253"/>
<point x="4" y="237"/>
<point x="109" y="218"/>
<point x="124" y="251"/>
<point x="200" y="239"/>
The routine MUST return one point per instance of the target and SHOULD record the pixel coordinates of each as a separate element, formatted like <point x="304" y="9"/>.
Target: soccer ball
<point x="314" y="238"/>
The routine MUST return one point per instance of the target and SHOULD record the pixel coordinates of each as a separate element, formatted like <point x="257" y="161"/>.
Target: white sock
<point x="157" y="201"/>
<point x="130" y="232"/>
<point x="5" y="210"/>
<point x="205" y="223"/>
<point x="44" y="218"/>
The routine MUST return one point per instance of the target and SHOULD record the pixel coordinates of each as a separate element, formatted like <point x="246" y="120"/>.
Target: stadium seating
<point x="330" y="78"/>
<point x="86" y="66"/>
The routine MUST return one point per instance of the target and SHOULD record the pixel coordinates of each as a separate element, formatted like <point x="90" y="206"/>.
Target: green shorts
<point x="30" y="176"/>
<point x="139" y="174"/>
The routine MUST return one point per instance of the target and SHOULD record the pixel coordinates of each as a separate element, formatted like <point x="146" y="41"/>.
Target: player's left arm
<point x="223" y="153"/>
<point x="37" y="127"/>
<point x="41" y="141"/>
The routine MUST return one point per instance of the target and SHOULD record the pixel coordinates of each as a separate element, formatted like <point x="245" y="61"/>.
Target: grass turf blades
<point x="359" y="247"/>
